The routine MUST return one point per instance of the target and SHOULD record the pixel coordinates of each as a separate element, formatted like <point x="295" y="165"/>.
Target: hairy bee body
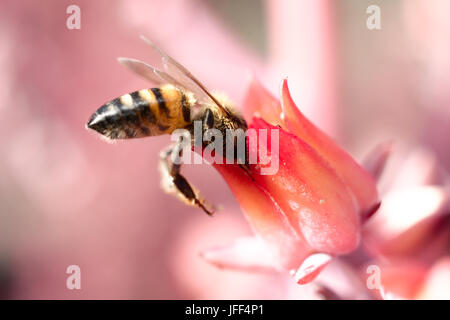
<point x="157" y="111"/>
<point x="181" y="102"/>
<point x="143" y="113"/>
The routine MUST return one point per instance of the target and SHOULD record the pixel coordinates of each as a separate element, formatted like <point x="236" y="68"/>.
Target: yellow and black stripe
<point x="146" y="112"/>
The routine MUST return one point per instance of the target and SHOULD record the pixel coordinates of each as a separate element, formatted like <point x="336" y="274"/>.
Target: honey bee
<point x="178" y="100"/>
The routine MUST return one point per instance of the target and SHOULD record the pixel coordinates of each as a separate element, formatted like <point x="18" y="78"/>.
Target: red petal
<point x="304" y="206"/>
<point x="316" y="202"/>
<point x="266" y="218"/>
<point x="261" y="103"/>
<point x="359" y="181"/>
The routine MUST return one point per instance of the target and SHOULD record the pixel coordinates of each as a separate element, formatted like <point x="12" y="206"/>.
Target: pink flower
<point x="411" y="279"/>
<point x="408" y="238"/>
<point x="311" y="209"/>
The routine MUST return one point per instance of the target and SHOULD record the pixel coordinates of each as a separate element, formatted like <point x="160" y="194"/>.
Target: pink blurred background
<point x="69" y="198"/>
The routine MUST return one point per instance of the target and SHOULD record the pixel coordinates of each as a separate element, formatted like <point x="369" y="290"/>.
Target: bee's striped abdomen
<point x="161" y="101"/>
<point x="146" y="112"/>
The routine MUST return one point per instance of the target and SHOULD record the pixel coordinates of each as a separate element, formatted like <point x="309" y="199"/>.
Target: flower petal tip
<point x="311" y="267"/>
<point x="376" y="159"/>
<point x="369" y="213"/>
<point x="360" y="182"/>
<point x="259" y="101"/>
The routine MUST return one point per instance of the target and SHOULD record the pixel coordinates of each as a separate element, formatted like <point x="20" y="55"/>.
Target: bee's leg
<point x="174" y="182"/>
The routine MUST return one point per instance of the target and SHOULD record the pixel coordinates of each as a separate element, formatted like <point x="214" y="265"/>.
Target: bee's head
<point x="229" y="105"/>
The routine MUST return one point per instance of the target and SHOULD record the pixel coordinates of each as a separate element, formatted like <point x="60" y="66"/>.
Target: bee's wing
<point x="154" y="75"/>
<point x="184" y="78"/>
<point x="158" y="77"/>
<point x="148" y="72"/>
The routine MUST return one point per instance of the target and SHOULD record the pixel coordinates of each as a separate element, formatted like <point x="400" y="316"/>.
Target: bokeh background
<point x="67" y="197"/>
